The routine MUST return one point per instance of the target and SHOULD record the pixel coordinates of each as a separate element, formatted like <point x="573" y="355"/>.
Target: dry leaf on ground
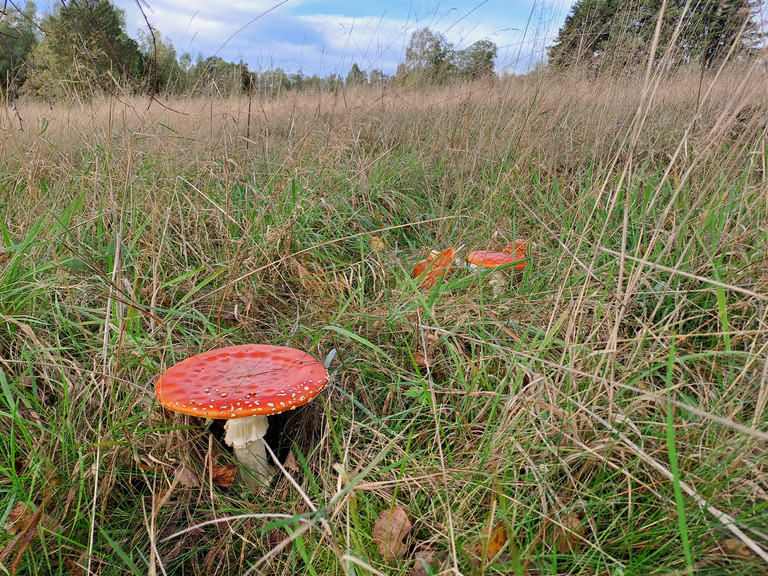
<point x="24" y="523"/>
<point x="424" y="556"/>
<point x="291" y="464"/>
<point x="246" y="297"/>
<point x="378" y="244"/>
<point x="389" y="533"/>
<point x="224" y="476"/>
<point x="148" y="291"/>
<point x="568" y="534"/>
<point x="18" y="518"/>
<point x="421" y="360"/>
<point x="186" y="476"/>
<point x="736" y="549"/>
<point x="569" y="524"/>
<point x="491" y="542"/>
<point x="432" y="350"/>
<point x="422" y="559"/>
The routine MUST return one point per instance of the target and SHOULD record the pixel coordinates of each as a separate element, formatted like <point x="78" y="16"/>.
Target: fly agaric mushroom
<point x="434" y="267"/>
<point x="520" y="249"/>
<point x="516" y="252"/>
<point x="489" y="259"/>
<point x="243" y="384"/>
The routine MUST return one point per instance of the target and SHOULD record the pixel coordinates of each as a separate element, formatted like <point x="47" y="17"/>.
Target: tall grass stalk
<point x="605" y="406"/>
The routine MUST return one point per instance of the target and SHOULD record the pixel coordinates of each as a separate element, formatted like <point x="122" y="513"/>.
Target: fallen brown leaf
<point x="149" y="291"/>
<point x="228" y="315"/>
<point x="421" y="561"/>
<point x="569" y="523"/>
<point x="736" y="549"/>
<point x="26" y="529"/>
<point x="378" y="244"/>
<point x="568" y="534"/>
<point x="186" y="476"/>
<point x="424" y="556"/>
<point x="246" y="297"/>
<point x="421" y="360"/>
<point x="389" y="533"/>
<point x="224" y="476"/>
<point x="20" y="515"/>
<point x="492" y="542"/>
<point x="291" y="464"/>
<point x="424" y="358"/>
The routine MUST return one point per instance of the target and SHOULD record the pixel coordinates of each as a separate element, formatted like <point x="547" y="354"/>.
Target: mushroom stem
<point x="499" y="281"/>
<point x="246" y="436"/>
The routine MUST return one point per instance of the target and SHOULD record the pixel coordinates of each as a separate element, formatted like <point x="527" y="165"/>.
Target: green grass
<point x="577" y="405"/>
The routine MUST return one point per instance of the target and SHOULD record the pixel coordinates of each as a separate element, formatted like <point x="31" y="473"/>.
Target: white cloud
<point x="372" y="43"/>
<point x="323" y="43"/>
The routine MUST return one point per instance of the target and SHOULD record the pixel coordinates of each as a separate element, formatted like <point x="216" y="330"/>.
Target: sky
<point x="325" y="37"/>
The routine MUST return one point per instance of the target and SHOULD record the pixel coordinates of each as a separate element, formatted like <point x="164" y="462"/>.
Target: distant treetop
<point x="430" y="58"/>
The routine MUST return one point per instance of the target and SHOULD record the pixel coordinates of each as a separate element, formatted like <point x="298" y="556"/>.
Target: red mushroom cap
<point x="488" y="259"/>
<point x="239" y="381"/>
<point x="520" y="247"/>
<point x="437" y="265"/>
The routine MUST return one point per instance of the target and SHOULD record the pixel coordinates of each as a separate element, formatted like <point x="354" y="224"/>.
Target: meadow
<point x="601" y="412"/>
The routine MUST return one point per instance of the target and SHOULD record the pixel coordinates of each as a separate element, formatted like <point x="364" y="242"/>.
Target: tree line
<point x="82" y="47"/>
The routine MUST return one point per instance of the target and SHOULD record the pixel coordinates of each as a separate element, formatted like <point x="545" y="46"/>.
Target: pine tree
<point x="713" y="27"/>
<point x="612" y="34"/>
<point x="585" y="33"/>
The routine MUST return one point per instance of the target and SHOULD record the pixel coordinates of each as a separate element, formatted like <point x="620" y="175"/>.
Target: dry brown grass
<point x="543" y="408"/>
<point x="557" y="119"/>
